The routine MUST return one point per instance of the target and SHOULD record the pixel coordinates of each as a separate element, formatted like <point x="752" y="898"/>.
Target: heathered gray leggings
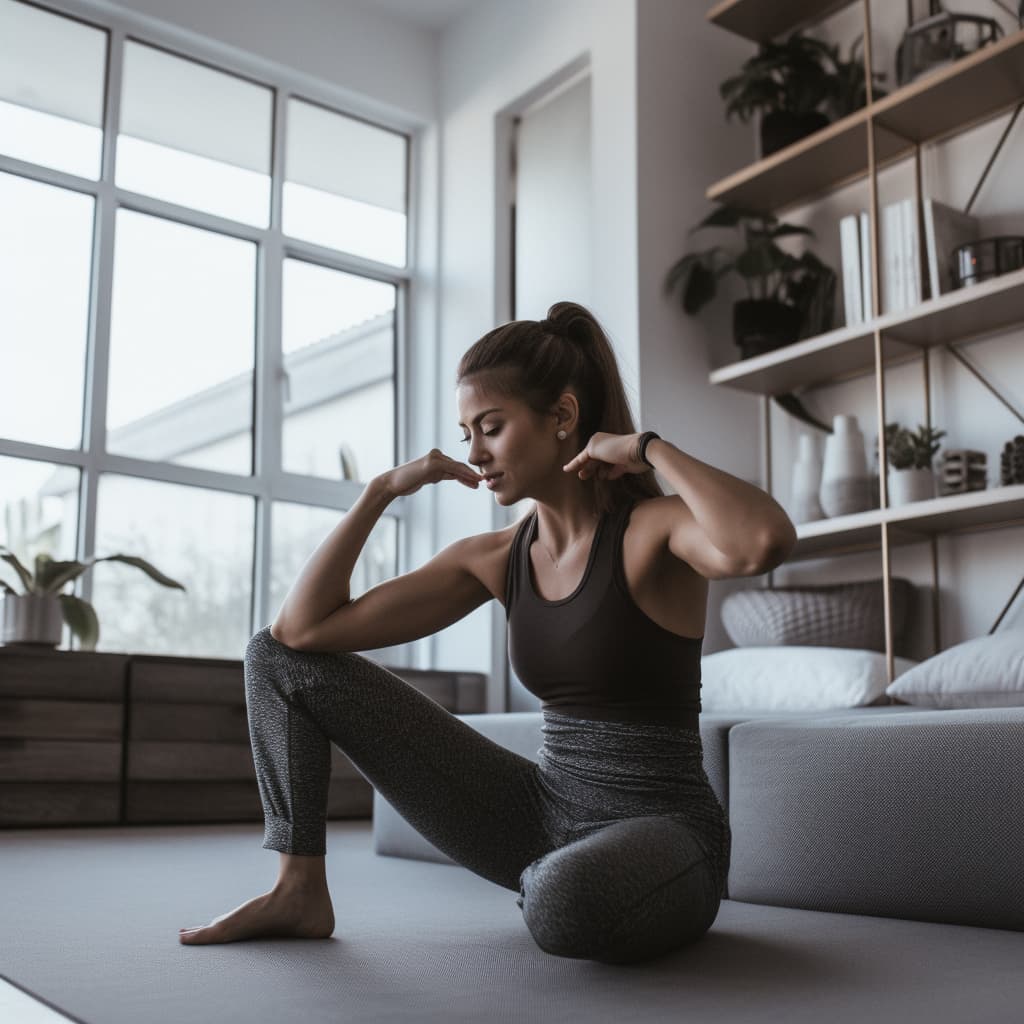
<point x="615" y="841"/>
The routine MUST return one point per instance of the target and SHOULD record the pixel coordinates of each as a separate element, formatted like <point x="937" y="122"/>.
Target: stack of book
<point x="905" y="281"/>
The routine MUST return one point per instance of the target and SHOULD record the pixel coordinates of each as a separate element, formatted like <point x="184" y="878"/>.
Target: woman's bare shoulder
<point x="486" y="556"/>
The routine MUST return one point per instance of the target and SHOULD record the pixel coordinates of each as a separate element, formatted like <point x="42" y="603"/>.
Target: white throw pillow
<point x="793" y="678"/>
<point x="987" y="672"/>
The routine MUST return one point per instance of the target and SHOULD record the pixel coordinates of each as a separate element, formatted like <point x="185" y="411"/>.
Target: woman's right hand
<point x="428" y="469"/>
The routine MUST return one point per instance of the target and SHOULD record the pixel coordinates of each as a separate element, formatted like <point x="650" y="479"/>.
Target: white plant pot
<point x="32" y="619"/>
<point x="845" y="482"/>
<point x="806" y="507"/>
<point x="909" y="485"/>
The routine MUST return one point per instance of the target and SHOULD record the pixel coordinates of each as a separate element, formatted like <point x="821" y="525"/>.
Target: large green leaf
<point x="140" y="563"/>
<point x="51" y="575"/>
<point x="12" y="559"/>
<point x="81" y="619"/>
<point x="700" y="289"/>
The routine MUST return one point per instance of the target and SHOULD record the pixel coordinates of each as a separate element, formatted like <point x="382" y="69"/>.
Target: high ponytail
<point x="536" y="361"/>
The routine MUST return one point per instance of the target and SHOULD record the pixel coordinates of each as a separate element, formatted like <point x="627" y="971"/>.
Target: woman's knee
<point x="574" y="908"/>
<point x="266" y="657"/>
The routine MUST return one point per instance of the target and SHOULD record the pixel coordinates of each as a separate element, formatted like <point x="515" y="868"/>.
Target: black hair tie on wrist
<point x="645" y="439"/>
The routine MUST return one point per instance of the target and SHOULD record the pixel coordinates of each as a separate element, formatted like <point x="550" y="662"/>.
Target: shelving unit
<point x="935" y="106"/>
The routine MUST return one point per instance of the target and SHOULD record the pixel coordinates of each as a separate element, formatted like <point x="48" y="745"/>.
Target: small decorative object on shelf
<point x="910" y="455"/>
<point x="937" y="37"/>
<point x="845" y="482"/>
<point x="1011" y="462"/>
<point x="806" y="507"/>
<point x="962" y="470"/>
<point x="36" y="616"/>
<point x="987" y="258"/>
<point x="789" y="297"/>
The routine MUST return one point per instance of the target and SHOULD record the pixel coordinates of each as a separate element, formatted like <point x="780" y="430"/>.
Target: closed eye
<point x="487" y="433"/>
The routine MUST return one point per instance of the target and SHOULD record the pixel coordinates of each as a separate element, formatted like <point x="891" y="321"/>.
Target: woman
<point x="614" y="841"/>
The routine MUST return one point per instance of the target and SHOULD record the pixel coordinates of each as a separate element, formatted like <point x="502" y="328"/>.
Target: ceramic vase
<point x="845" y="482"/>
<point x="806" y="483"/>
<point x="909" y="485"/>
<point x="32" y="619"/>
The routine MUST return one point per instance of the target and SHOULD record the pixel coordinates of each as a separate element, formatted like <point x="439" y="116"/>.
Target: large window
<point x="200" y="276"/>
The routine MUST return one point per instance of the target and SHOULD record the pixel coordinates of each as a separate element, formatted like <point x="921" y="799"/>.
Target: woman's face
<point x="506" y="439"/>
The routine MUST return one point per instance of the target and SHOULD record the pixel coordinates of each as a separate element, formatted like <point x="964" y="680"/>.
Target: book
<point x="945" y="230"/>
<point x="910" y="253"/>
<point x="865" y="264"/>
<point x="892" y="278"/>
<point x="850" y="252"/>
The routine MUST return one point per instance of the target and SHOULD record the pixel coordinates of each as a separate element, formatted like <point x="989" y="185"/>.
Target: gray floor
<point x="90" y="920"/>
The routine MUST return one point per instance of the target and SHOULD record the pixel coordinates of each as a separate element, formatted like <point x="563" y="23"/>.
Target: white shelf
<point x="908" y="524"/>
<point x="971" y="90"/>
<point x="970" y="312"/>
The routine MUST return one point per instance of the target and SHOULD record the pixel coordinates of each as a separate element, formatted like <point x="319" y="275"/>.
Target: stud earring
<point x="561" y="435"/>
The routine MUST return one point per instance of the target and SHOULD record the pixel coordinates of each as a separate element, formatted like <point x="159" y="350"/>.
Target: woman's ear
<point x="567" y="412"/>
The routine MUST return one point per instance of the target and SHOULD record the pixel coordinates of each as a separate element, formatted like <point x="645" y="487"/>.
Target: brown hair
<point x="536" y="361"/>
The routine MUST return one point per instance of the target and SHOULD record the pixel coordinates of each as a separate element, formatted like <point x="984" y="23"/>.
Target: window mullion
<point x="97" y="362"/>
<point x="269" y="383"/>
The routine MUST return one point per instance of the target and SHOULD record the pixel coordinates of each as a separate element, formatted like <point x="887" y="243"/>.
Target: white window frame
<point x="269" y="482"/>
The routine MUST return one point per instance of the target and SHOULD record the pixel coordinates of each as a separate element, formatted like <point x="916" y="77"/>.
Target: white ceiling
<point x="431" y="14"/>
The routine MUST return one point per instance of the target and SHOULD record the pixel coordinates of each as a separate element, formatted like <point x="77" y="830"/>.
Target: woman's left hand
<point x="608" y="456"/>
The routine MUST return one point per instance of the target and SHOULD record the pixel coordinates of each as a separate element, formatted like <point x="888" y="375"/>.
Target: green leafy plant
<point x="851" y="90"/>
<point x="906" y="449"/>
<point x="50" y="575"/>
<point x="798" y="76"/>
<point x="767" y="271"/>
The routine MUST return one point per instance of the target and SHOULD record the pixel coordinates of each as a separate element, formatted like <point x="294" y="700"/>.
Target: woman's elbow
<point x="776" y="548"/>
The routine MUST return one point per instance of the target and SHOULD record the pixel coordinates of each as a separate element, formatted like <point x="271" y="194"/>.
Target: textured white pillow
<point x="987" y="672"/>
<point x="793" y="678"/>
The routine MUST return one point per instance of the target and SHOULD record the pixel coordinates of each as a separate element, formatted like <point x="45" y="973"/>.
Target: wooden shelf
<point x="762" y="20"/>
<point x="908" y="524"/>
<point x="973" y="89"/>
<point x="970" y="312"/>
<point x="952" y="99"/>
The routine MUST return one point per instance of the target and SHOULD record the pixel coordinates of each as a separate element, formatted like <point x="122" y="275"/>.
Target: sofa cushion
<point x="986" y="672"/>
<point x="912" y="814"/>
<point x="822" y="615"/>
<point x="794" y="678"/>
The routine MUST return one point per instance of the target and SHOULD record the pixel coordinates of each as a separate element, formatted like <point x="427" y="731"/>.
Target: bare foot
<point x="301" y="914"/>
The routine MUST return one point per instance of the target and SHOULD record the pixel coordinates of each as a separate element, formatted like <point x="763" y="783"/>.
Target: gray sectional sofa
<point x="889" y="811"/>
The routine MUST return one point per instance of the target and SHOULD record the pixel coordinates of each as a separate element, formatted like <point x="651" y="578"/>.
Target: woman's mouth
<point x="492" y="481"/>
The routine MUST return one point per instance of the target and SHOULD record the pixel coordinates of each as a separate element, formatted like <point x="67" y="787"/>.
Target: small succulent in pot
<point x="906" y="449"/>
<point x="42" y="590"/>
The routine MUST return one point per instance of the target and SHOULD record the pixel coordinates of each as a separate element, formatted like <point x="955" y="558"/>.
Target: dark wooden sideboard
<point x="118" y="739"/>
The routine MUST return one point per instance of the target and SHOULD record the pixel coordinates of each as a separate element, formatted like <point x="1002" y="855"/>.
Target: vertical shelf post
<point x="876" y="309"/>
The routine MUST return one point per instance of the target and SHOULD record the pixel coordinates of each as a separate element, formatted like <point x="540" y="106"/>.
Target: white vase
<point x="845" y="483"/>
<point x="806" y="482"/>
<point x="910" y="485"/>
<point x="32" y="619"/>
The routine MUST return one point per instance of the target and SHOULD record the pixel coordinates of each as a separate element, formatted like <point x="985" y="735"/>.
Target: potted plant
<point x="35" y="616"/>
<point x="798" y="86"/>
<point x="909" y="455"/>
<point x="788" y="296"/>
<point x="787" y="82"/>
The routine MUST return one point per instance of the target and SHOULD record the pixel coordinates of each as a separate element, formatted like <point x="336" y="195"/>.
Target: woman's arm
<point x="322" y="587"/>
<point x="743" y="522"/>
<point x="323" y="584"/>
